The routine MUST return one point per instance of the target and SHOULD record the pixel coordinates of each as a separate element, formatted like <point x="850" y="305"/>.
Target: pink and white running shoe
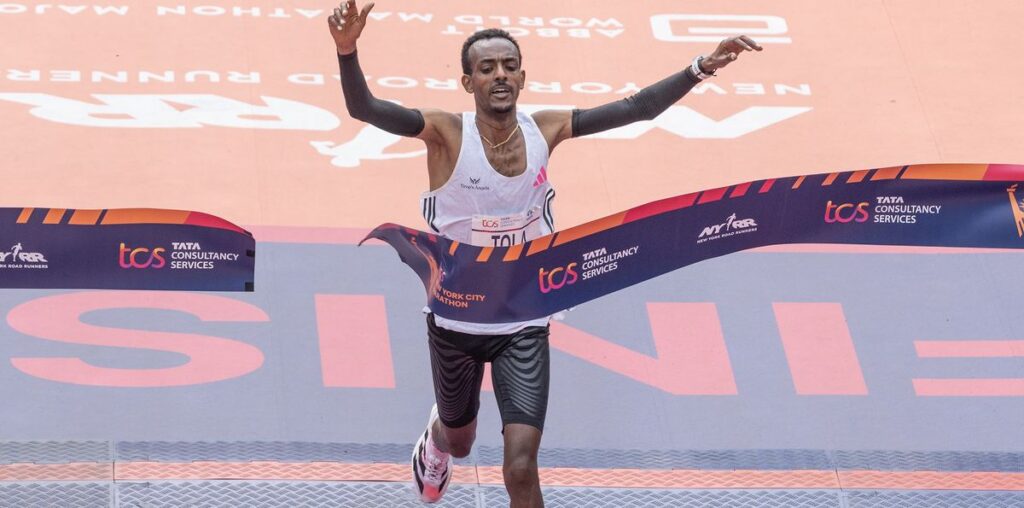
<point x="431" y="468"/>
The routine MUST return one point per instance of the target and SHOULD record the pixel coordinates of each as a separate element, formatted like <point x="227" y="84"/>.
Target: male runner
<point x="488" y="187"/>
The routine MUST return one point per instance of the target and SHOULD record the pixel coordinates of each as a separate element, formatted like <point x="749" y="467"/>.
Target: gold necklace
<point x="509" y="138"/>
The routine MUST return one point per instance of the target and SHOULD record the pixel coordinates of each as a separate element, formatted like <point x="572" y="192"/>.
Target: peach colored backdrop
<point x="864" y="84"/>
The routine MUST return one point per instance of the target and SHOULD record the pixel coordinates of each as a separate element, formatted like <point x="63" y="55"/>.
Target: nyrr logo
<point x="141" y="257"/>
<point x="1018" y="209"/>
<point x="556" y="279"/>
<point x="731" y="223"/>
<point x="846" y="212"/>
<point x="16" y="255"/>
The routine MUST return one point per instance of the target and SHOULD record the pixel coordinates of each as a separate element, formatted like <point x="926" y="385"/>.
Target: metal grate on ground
<point x="270" y="474"/>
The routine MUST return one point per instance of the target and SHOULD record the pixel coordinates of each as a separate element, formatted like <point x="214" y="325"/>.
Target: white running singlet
<point x="480" y="206"/>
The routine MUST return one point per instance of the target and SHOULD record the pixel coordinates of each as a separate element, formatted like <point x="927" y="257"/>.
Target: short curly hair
<point x="490" y="33"/>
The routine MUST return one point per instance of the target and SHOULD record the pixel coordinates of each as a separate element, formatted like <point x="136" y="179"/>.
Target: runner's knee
<point x="460" y="449"/>
<point x="520" y="470"/>
<point x="460" y="440"/>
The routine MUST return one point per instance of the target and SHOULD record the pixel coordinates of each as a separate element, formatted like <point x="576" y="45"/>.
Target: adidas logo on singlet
<point x="541" y="178"/>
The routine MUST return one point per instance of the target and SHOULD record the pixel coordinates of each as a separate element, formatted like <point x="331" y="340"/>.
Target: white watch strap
<point x="695" y="68"/>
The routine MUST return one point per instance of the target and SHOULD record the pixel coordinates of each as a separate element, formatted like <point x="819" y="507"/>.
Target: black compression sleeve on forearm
<point x="362" y="105"/>
<point x="644" y="105"/>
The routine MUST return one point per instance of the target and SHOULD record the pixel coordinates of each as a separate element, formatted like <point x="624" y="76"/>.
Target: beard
<point x="505" y="105"/>
<point x="503" y="108"/>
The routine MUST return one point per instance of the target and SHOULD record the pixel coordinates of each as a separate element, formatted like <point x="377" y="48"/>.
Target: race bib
<point x="507" y="230"/>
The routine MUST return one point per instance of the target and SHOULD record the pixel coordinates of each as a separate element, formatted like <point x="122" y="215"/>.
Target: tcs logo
<point x="141" y="257"/>
<point x="846" y="212"/>
<point x="555" y="279"/>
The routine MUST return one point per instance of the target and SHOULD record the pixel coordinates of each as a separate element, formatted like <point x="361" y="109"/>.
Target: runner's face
<point x="497" y="77"/>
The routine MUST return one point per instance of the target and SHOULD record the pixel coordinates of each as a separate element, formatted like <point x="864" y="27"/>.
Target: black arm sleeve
<point x="362" y="105"/>
<point x="644" y="105"/>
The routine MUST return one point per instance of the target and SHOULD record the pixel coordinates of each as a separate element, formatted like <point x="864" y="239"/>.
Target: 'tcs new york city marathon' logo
<point x="1018" y="209"/>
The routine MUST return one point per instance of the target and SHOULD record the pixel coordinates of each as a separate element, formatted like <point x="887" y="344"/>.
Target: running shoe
<point x="431" y="472"/>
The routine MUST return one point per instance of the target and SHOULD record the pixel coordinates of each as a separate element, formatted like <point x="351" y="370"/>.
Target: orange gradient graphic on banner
<point x="1018" y="210"/>
<point x="235" y="108"/>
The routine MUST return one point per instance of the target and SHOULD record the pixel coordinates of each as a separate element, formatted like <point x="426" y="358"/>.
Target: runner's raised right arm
<point x="440" y="130"/>
<point x="346" y="24"/>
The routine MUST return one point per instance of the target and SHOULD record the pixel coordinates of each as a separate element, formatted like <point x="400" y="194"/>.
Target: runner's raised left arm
<point x="646" y="104"/>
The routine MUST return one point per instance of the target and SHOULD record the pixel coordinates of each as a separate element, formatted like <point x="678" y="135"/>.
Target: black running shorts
<point x="520" y="372"/>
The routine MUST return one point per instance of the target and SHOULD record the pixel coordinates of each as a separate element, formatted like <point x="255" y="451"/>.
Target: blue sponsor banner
<point x="123" y="249"/>
<point x="928" y="206"/>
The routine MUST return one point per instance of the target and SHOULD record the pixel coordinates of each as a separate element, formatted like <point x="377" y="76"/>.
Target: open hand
<point x="727" y="51"/>
<point x="346" y="24"/>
